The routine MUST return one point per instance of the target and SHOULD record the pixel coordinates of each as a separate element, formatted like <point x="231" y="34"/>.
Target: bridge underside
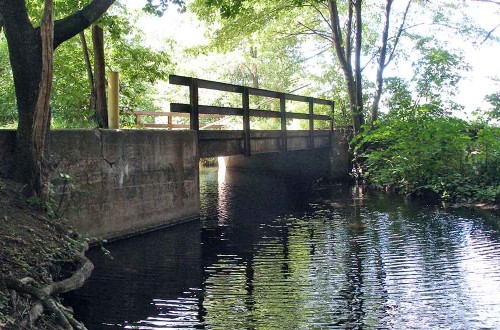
<point x="231" y="143"/>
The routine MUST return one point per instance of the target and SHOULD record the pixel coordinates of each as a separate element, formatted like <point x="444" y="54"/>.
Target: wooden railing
<point x="196" y="110"/>
<point x="170" y="124"/>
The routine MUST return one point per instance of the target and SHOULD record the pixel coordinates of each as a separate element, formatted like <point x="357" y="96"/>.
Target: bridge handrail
<point x="169" y="125"/>
<point x="195" y="109"/>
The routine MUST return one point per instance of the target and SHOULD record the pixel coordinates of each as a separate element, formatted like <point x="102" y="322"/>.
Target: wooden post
<point x="311" y="124"/>
<point x="169" y="122"/>
<point x="283" y="122"/>
<point x="194" y="123"/>
<point x="246" y="121"/>
<point x="113" y="100"/>
<point x="332" y="108"/>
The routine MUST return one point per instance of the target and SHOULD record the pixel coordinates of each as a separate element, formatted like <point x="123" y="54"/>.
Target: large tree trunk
<point x="101" y="108"/>
<point x="25" y="49"/>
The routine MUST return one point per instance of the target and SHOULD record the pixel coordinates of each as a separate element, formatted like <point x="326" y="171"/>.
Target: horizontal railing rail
<point x="170" y="124"/>
<point x="196" y="110"/>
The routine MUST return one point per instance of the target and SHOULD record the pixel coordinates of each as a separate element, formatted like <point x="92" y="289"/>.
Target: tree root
<point x="45" y="296"/>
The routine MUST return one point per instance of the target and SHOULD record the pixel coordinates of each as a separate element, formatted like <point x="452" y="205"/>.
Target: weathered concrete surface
<point x="230" y="143"/>
<point x="123" y="181"/>
<point x="128" y="181"/>
<point x="299" y="162"/>
<point x="340" y="154"/>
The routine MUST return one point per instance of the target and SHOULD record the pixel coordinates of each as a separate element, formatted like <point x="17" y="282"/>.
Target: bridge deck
<point x="230" y="143"/>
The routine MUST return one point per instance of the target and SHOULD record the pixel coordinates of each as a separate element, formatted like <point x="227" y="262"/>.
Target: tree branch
<point x="369" y="61"/>
<point x="70" y="26"/>
<point x="488" y="1"/>
<point x="323" y="17"/>
<point x="14" y="15"/>
<point x="348" y="37"/>
<point x="312" y="31"/>
<point x="398" y="36"/>
<point x="489" y="33"/>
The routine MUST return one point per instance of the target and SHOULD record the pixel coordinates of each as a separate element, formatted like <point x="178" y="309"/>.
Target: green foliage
<point x="8" y="108"/>
<point x="494" y="100"/>
<point x="158" y="7"/>
<point x="71" y="92"/>
<point x="444" y="156"/>
<point x="140" y="69"/>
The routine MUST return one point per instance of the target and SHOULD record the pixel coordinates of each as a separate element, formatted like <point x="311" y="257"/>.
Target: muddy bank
<point x="37" y="252"/>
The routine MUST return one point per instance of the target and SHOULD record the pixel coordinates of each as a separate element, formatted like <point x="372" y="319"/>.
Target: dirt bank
<point x="36" y="251"/>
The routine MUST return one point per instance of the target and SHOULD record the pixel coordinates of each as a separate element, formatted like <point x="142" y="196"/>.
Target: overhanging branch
<point x="489" y="33"/>
<point x="70" y="26"/>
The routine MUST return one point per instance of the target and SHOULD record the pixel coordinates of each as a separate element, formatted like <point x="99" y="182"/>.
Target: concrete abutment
<point x="124" y="182"/>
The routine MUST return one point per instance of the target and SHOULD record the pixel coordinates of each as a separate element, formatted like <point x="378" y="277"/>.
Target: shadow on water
<point x="269" y="255"/>
<point x="125" y="284"/>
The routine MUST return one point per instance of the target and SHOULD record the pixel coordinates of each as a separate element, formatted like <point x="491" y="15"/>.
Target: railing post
<point x="311" y="124"/>
<point x="113" y="101"/>
<point x="332" y="108"/>
<point x="169" y="122"/>
<point x="246" y="121"/>
<point x="283" y="122"/>
<point x="194" y="123"/>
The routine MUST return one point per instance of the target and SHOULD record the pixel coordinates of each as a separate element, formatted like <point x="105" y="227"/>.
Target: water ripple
<point x="271" y="260"/>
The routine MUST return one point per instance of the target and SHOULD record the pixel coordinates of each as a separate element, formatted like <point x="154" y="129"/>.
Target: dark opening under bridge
<point x="247" y="141"/>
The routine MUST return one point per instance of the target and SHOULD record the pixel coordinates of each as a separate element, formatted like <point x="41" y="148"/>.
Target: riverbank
<point x="36" y="254"/>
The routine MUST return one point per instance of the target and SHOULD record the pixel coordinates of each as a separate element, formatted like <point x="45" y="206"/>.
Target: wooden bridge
<point x="138" y="180"/>
<point x="214" y="140"/>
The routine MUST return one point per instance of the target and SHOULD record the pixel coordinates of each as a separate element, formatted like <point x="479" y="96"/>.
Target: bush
<point x="440" y="155"/>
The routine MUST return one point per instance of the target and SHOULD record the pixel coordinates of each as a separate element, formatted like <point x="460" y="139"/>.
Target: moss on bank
<point x="34" y="246"/>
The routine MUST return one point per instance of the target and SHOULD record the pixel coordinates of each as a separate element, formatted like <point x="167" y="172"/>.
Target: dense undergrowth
<point x="440" y="157"/>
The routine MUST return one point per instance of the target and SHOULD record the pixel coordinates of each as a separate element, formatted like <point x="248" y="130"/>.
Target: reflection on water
<point x="274" y="256"/>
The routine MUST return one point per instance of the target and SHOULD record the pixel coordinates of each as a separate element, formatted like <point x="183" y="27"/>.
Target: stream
<point x="268" y="254"/>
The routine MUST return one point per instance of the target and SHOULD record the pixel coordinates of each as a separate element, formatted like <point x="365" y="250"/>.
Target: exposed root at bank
<point x="40" y="257"/>
<point x="45" y="298"/>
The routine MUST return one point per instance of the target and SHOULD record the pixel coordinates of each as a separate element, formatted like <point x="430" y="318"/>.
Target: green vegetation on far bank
<point x="443" y="158"/>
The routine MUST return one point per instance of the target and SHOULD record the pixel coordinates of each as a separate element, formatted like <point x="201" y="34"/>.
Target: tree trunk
<point x="358" y="116"/>
<point x="344" y="56"/>
<point x="42" y="107"/>
<point x="24" y="47"/>
<point x="253" y="70"/>
<point x="88" y="66"/>
<point x="101" y="108"/>
<point x="382" y="62"/>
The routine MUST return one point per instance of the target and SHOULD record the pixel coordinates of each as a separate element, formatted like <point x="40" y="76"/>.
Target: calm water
<point x="269" y="255"/>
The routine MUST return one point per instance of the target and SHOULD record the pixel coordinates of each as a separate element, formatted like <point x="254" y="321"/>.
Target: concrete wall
<point x="123" y="181"/>
<point x="300" y="162"/>
<point x="129" y="181"/>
